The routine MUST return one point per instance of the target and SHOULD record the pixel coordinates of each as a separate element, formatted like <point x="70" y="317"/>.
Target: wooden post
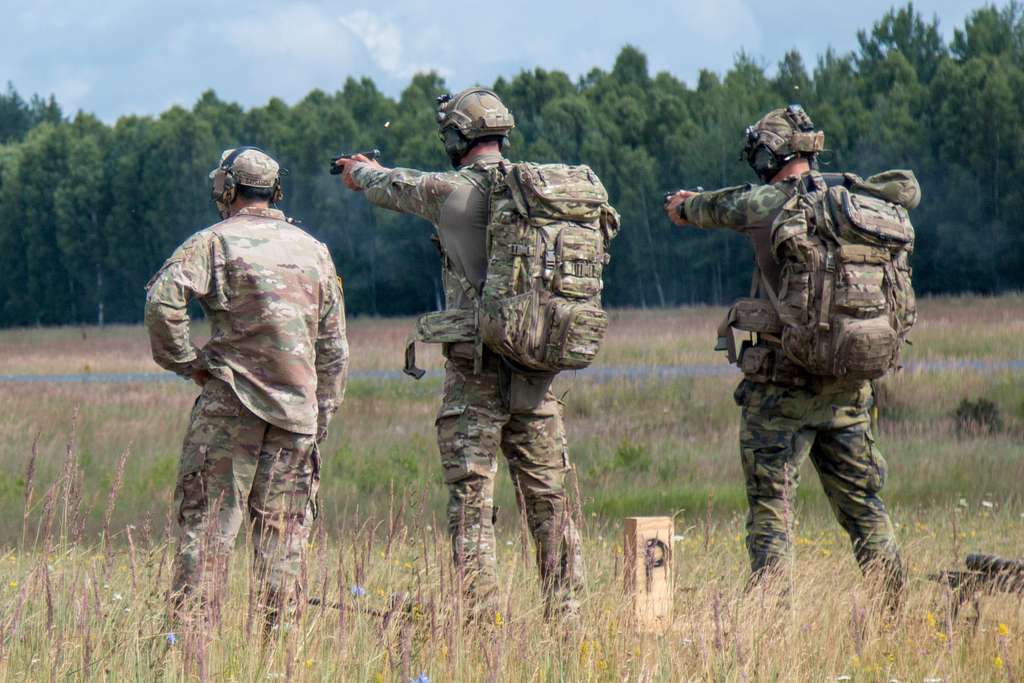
<point x="648" y="564"/>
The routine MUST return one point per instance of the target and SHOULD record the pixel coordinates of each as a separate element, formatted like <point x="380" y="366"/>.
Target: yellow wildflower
<point x="308" y="663"/>
<point x="1004" y="630"/>
<point x="998" y="662"/>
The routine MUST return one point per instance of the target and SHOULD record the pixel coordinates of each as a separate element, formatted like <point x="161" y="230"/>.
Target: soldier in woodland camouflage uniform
<point x="272" y="376"/>
<point x="788" y="413"/>
<point x="500" y="406"/>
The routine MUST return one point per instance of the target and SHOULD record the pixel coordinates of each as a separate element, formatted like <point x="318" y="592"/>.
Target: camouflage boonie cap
<point x="253" y="168"/>
<point x="786" y="132"/>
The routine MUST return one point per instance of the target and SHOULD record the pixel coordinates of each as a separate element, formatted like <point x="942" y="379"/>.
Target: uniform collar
<point x="261" y="212"/>
<point x="487" y="159"/>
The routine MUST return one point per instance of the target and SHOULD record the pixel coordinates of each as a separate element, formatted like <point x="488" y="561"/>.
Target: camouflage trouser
<point x="235" y="466"/>
<point x="474" y="421"/>
<point x="781" y="425"/>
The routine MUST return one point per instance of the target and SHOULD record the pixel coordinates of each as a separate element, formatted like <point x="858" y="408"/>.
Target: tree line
<point x="88" y="211"/>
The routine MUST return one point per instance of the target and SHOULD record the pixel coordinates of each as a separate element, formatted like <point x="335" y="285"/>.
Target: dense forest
<point x="88" y="211"/>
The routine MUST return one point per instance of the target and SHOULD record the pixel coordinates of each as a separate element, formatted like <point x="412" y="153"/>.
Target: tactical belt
<point x="448" y="327"/>
<point x="762" y="358"/>
<point x="444" y="327"/>
<point x="752" y="314"/>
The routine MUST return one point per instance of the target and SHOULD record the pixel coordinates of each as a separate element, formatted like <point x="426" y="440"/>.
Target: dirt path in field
<point x="598" y="373"/>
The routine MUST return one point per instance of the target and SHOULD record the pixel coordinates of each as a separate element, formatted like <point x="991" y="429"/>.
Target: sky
<point x="119" y="57"/>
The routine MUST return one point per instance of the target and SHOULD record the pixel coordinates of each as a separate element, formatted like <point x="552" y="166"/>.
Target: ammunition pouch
<point x="766" y="362"/>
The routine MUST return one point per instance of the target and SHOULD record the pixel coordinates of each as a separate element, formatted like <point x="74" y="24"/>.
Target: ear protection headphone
<point x="224" y="187"/>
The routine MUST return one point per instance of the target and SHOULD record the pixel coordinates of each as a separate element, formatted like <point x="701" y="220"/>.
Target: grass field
<point x="72" y="607"/>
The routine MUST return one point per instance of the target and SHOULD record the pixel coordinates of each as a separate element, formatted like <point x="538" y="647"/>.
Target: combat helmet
<point x="470" y="115"/>
<point x="780" y="135"/>
<point x="244" y="166"/>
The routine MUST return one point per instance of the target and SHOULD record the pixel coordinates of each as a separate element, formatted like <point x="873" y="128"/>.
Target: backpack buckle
<point x="550" y="262"/>
<point x="830" y="261"/>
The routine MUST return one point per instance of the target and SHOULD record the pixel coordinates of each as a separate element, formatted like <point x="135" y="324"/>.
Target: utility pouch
<point x="755" y="362"/>
<point x="527" y="390"/>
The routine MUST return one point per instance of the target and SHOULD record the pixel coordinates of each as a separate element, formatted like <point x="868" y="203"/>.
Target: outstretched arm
<point x="738" y="208"/>
<point x="400" y="189"/>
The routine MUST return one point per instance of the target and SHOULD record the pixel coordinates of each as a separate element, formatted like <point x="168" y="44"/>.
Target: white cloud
<point x="296" y="32"/>
<point x="383" y="40"/>
<point x="136" y="56"/>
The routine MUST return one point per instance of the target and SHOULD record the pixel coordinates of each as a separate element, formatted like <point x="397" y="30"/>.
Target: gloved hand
<point x="349" y="164"/>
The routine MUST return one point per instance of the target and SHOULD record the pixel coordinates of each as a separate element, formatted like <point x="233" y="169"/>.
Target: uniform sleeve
<point x="406" y="190"/>
<point x="331" y="349"/>
<point x="791" y="222"/>
<point x="184" y="276"/>
<point x="737" y="208"/>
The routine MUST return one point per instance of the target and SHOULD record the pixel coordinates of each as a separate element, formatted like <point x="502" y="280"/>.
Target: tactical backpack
<point x="846" y="301"/>
<point x="540" y="306"/>
<point x="547" y="240"/>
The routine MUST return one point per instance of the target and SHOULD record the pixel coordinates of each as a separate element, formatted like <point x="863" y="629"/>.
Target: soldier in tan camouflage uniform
<point x="789" y="414"/>
<point x="272" y="375"/>
<point x="501" y="406"/>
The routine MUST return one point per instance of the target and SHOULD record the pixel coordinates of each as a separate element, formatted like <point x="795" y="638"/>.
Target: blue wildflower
<point x="171" y="638"/>
<point x="358" y="591"/>
<point x="422" y="678"/>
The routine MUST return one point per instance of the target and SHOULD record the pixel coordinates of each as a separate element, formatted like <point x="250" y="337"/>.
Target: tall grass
<point x="86" y="518"/>
<point x="387" y="609"/>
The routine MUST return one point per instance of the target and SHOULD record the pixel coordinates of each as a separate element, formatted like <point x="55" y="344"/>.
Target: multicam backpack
<point x="540" y="306"/>
<point x="547" y="241"/>
<point x="846" y="301"/>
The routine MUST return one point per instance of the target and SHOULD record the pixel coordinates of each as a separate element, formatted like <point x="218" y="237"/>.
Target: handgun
<point x="669" y="195"/>
<point x="336" y="170"/>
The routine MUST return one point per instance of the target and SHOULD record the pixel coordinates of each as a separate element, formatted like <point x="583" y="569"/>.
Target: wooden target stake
<point x="648" y="576"/>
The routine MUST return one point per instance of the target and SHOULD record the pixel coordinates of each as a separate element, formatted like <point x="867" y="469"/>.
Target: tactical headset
<point x="224" y="187"/>
<point x="453" y="124"/>
<point x="763" y="147"/>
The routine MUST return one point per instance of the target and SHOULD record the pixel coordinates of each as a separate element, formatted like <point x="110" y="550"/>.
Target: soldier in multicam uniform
<point x="500" y="406"/>
<point x="272" y="375"/>
<point x="788" y="413"/>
